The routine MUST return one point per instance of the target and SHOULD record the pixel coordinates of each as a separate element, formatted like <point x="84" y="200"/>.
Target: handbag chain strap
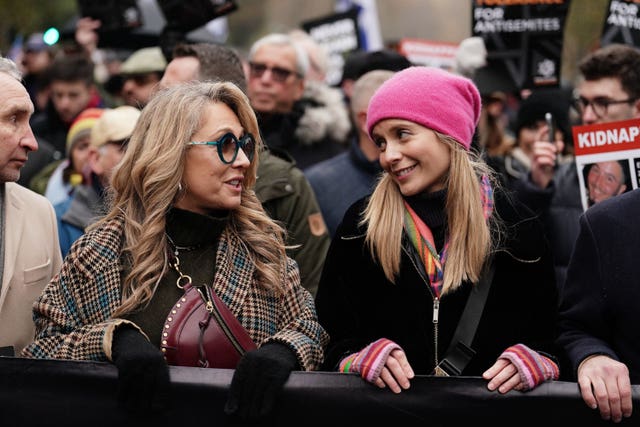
<point x="184" y="280"/>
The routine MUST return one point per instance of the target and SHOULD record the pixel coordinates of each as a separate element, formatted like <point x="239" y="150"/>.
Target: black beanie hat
<point x="542" y="101"/>
<point x="360" y="62"/>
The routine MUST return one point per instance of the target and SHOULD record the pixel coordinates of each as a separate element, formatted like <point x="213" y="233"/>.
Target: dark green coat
<point x="288" y="197"/>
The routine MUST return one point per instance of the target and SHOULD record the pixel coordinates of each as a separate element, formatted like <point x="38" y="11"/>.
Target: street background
<point x="438" y="20"/>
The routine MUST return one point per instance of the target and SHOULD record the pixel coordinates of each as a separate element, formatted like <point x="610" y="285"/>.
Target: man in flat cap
<point x="141" y="73"/>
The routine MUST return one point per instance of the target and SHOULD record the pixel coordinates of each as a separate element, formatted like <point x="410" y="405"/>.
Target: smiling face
<point x="605" y="180"/>
<point x="209" y="184"/>
<point x="413" y="155"/>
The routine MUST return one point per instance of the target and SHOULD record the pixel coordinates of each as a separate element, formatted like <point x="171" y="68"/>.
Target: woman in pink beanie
<point x="436" y="230"/>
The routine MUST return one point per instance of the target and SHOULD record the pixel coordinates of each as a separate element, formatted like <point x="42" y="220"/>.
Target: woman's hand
<point x="520" y="368"/>
<point x="503" y="376"/>
<point x="382" y="363"/>
<point x="396" y="372"/>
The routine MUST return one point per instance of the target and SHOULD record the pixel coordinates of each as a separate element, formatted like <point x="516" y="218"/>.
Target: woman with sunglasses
<point x="183" y="211"/>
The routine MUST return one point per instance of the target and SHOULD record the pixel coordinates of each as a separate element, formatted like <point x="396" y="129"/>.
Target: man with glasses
<point x="591" y="332"/>
<point x="600" y="108"/>
<point x="608" y="91"/>
<point x="309" y="128"/>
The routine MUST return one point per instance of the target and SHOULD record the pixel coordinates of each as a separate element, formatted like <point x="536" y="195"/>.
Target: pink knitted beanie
<point x="435" y="98"/>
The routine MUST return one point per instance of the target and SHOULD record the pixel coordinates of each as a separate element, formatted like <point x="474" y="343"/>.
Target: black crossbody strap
<point x="460" y="352"/>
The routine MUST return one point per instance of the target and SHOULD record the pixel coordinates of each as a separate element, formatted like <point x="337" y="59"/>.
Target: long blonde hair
<point x="470" y="234"/>
<point x="147" y="182"/>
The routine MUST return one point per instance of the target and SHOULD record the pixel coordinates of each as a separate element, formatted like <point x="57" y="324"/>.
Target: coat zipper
<point x="212" y="307"/>
<point x="436" y="312"/>
<point x="436" y="307"/>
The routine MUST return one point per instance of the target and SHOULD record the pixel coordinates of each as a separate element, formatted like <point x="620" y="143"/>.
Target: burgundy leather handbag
<point x="201" y="331"/>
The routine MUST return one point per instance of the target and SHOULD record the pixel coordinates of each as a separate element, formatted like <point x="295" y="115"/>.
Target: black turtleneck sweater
<point x="430" y="207"/>
<point x="196" y="239"/>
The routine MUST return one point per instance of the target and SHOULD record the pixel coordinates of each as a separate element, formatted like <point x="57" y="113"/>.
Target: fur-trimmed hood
<point x="325" y="115"/>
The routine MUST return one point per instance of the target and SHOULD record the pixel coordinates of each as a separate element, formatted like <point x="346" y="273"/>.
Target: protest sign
<point x="607" y="158"/>
<point x="339" y="34"/>
<point x="525" y="36"/>
<point x="429" y="52"/>
<point x="622" y="24"/>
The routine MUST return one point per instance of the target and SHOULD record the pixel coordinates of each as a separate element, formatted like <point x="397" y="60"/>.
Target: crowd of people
<point x="395" y="225"/>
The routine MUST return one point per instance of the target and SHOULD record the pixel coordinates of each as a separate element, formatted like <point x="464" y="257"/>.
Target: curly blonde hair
<point x="147" y="182"/>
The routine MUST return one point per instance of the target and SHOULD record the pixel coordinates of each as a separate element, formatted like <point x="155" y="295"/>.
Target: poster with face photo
<point x="607" y="158"/>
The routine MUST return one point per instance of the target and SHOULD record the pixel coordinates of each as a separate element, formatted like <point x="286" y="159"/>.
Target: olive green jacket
<point x="287" y="197"/>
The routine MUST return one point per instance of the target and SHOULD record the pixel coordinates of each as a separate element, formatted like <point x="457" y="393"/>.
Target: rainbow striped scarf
<point x="422" y="238"/>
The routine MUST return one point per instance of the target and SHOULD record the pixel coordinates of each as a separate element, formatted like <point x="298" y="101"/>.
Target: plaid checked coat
<point x="73" y="315"/>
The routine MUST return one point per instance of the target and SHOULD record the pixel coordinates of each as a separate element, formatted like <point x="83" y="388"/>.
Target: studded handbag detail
<point x="201" y="331"/>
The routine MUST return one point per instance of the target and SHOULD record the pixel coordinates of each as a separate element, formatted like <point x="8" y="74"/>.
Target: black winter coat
<point x="599" y="302"/>
<point x="356" y="304"/>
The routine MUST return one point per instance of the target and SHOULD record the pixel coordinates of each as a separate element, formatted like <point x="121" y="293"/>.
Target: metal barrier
<point x="77" y="393"/>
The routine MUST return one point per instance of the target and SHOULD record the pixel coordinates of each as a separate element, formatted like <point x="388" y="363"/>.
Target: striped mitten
<point x="533" y="367"/>
<point x="369" y="361"/>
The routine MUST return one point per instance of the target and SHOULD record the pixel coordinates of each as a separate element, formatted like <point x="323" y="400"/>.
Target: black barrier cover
<point x="76" y="393"/>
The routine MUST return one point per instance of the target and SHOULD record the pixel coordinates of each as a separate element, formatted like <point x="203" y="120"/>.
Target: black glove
<point x="259" y="379"/>
<point x="143" y="374"/>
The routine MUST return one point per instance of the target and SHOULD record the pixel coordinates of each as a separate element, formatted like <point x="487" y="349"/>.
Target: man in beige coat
<point x="29" y="238"/>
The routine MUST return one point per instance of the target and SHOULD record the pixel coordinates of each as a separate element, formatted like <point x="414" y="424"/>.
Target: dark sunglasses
<point x="228" y="146"/>
<point x="278" y="74"/>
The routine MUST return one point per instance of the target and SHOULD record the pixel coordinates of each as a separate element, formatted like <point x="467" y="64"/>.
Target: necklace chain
<point x="184" y="279"/>
<point x="182" y="248"/>
<point x="174" y="262"/>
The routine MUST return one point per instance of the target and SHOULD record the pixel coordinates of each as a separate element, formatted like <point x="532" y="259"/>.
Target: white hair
<point x="9" y="67"/>
<point x="279" y="39"/>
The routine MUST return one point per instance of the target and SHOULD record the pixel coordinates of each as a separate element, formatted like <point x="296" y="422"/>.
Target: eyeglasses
<point x="228" y="146"/>
<point x="599" y="105"/>
<point x="278" y="74"/>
